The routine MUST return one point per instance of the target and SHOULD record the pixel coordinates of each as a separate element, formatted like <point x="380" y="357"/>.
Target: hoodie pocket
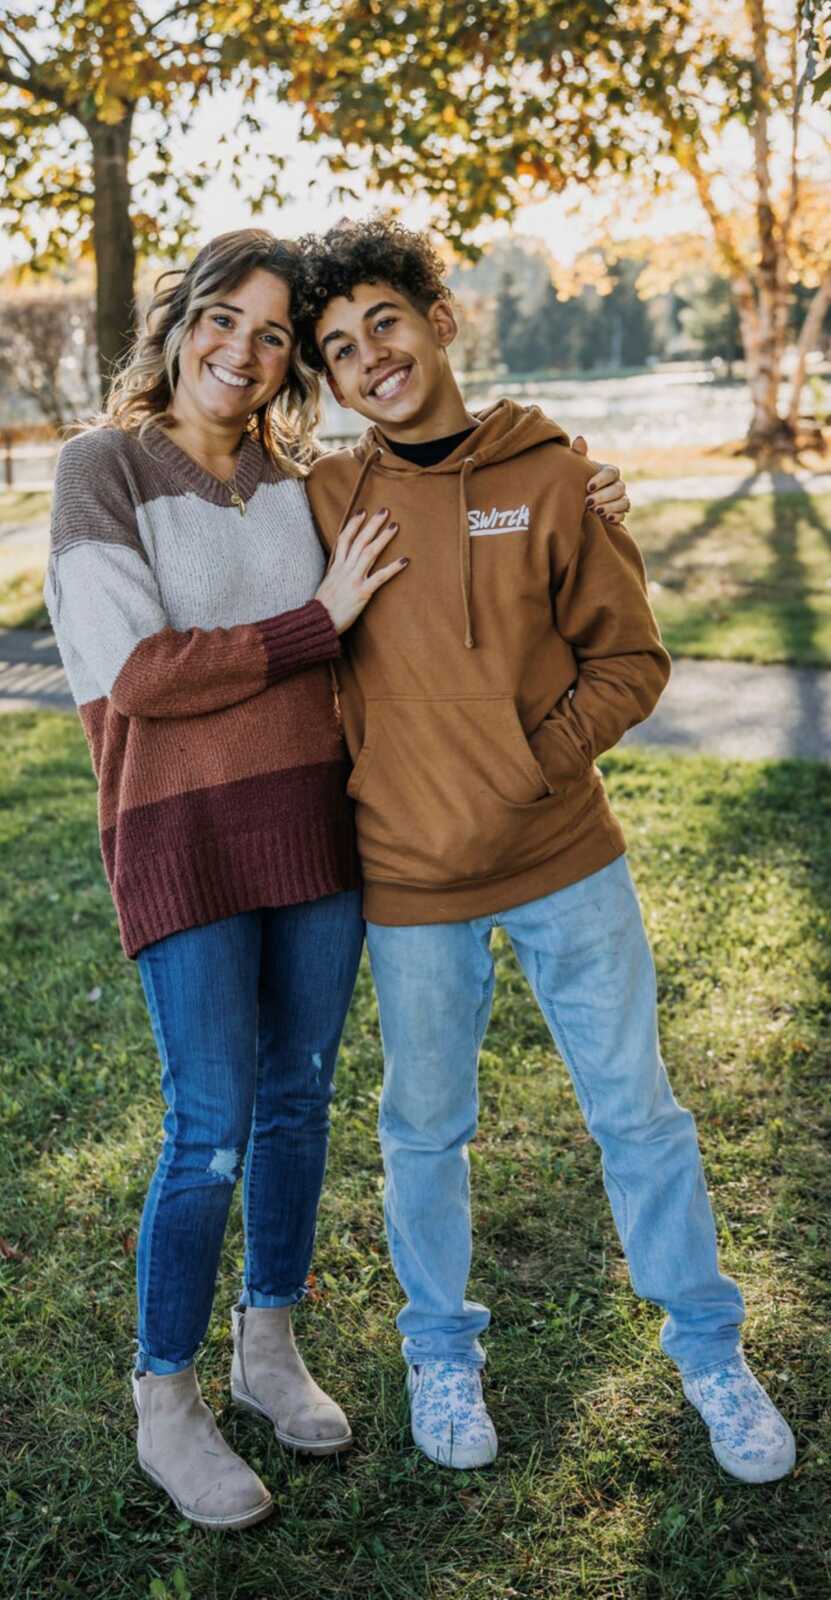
<point x="448" y="790"/>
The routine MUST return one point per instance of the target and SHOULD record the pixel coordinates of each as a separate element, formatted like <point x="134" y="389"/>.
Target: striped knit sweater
<point x="198" y="662"/>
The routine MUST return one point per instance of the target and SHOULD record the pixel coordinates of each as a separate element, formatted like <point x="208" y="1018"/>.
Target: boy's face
<point x="384" y="358"/>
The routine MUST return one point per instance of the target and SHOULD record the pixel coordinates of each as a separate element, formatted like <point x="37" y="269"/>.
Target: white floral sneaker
<point x="749" y="1437"/>
<point x="448" y="1416"/>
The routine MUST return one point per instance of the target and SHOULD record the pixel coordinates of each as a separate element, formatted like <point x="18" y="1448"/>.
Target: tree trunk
<point x="768" y="431"/>
<point x="809" y="334"/>
<point x="115" y="255"/>
<point x="767" y="434"/>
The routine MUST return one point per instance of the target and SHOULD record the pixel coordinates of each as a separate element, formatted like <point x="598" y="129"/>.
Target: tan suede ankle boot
<point x="268" y="1376"/>
<point x="181" y="1449"/>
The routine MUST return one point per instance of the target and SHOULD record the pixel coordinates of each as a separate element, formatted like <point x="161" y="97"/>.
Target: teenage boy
<point x="476" y="692"/>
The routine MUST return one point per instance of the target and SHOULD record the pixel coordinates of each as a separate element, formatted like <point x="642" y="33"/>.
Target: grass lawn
<point x="605" y="1486"/>
<point x="21" y="600"/>
<point x="697" y="461"/>
<point x="22" y="558"/>
<point x="746" y="578"/>
<point x="23" y="505"/>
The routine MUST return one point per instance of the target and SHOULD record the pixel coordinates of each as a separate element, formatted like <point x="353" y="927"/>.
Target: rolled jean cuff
<point x="439" y="1347"/>
<point x="270" y="1302"/>
<point x="701" y="1368"/>
<point x="158" y="1367"/>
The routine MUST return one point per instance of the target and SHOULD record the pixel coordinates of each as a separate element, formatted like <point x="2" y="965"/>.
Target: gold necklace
<point x="233" y="491"/>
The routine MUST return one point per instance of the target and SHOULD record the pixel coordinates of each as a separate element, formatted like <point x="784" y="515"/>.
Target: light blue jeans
<point x="585" y="953"/>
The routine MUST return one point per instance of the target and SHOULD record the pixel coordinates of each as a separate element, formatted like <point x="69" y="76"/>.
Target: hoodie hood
<point x="505" y="430"/>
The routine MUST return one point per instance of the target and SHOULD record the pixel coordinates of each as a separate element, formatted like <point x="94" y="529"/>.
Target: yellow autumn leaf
<point x="111" y="111"/>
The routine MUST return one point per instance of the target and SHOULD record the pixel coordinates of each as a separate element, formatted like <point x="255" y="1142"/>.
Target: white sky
<point x="567" y="224"/>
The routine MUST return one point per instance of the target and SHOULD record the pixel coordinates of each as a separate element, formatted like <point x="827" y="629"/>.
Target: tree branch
<point x="186" y="8"/>
<point x="797" y="91"/>
<point x="8" y="77"/>
<point x="20" y="45"/>
<point x="809" y="331"/>
<point x="35" y="85"/>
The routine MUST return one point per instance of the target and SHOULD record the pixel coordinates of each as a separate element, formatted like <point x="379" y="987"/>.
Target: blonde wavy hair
<point x="143" y="387"/>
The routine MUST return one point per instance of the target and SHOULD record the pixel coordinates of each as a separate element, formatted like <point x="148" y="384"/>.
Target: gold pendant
<point x="237" y="500"/>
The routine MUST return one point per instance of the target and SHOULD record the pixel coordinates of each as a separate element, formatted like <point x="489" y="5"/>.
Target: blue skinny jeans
<point x="247" y="1015"/>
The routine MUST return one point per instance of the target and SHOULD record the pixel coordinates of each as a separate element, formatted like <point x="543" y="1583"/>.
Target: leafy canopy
<point x="70" y="68"/>
<point x="484" y="104"/>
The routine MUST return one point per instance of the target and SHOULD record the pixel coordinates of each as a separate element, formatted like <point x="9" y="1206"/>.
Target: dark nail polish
<point x="405" y="561"/>
<point x="383" y="512"/>
<point x="393" y="527"/>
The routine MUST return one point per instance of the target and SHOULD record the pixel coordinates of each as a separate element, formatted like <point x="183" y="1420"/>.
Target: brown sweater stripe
<point x="272" y="732"/>
<point x="181" y="863"/>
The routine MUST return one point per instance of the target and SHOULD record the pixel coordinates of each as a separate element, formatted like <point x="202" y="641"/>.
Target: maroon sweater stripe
<point x="181" y="862"/>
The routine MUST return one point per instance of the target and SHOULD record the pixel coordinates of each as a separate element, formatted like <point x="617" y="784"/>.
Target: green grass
<point x="21" y="562"/>
<point x="744" y="578"/>
<point x="21" y="600"/>
<point x="23" y="505"/>
<point x="605" y="1486"/>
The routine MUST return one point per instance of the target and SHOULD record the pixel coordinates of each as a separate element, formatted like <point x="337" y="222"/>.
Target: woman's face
<point x="236" y="356"/>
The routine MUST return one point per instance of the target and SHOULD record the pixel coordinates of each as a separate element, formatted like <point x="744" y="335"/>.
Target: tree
<point x="508" y="319"/>
<point x="82" y="84"/>
<point x="47" y="350"/>
<point x="477" y="346"/>
<point x="710" y="319"/>
<point x="485" y="105"/>
<point x="816" y="30"/>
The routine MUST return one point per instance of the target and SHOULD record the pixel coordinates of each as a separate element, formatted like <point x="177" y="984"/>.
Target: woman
<point x="187" y="591"/>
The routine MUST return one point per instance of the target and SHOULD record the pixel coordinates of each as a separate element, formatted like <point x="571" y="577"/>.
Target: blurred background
<point x="633" y="200"/>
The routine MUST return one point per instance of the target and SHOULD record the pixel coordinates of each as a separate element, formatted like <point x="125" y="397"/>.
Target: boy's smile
<point x="387" y="360"/>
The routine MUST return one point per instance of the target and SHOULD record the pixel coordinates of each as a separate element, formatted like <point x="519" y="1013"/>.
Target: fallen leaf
<point x="10" y="1252"/>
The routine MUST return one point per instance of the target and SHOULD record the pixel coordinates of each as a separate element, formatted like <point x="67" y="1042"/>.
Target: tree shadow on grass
<point x="783" y="598"/>
<point x="662" y="559"/>
<point x="796" y="616"/>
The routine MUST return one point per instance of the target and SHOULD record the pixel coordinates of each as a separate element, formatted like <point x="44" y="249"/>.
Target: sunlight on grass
<point x="605" y="1486"/>
<point x="21" y="600"/>
<point x="23" y="505"/>
<point x="744" y="578"/>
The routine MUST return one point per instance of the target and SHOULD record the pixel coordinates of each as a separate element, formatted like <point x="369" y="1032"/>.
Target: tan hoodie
<point x="480" y="684"/>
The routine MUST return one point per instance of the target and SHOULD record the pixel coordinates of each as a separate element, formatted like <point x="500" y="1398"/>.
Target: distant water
<point x="640" y="412"/>
<point x="653" y="409"/>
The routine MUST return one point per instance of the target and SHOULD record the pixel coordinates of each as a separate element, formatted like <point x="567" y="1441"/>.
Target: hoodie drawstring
<point x="464" y="535"/>
<point x="464" y="550"/>
<point x="369" y="461"/>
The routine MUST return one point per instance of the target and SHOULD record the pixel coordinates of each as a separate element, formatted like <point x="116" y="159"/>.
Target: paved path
<point x="727" y="708"/>
<point x="732" y="708"/>
<point x="31" y="675"/>
<point x="723" y="707"/>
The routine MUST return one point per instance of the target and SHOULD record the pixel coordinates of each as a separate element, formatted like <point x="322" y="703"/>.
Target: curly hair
<point x="144" y="386"/>
<point x="380" y="251"/>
